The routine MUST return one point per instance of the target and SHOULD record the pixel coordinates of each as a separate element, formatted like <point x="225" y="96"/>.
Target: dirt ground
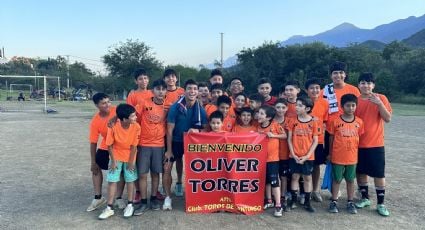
<point x="45" y="182"/>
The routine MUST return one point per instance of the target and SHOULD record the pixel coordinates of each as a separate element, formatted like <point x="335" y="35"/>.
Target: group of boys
<point x="338" y="123"/>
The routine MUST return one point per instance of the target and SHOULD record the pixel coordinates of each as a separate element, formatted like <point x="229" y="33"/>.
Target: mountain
<point x="374" y="45"/>
<point x="417" y="40"/>
<point x="346" y="33"/>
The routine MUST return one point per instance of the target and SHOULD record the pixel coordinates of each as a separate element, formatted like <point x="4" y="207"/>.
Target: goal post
<point x="35" y="77"/>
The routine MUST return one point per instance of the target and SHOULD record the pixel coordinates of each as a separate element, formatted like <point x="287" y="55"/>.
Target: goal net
<point x="29" y="93"/>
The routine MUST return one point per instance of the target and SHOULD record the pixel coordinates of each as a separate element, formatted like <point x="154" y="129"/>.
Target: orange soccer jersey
<point x="373" y="123"/>
<point x="99" y="126"/>
<point x="302" y="135"/>
<point x="320" y="111"/>
<point x="283" y="143"/>
<point x="136" y="96"/>
<point x="173" y="95"/>
<point x="273" y="145"/>
<point x="244" y="129"/>
<point x="152" y="122"/>
<point x="347" y="89"/>
<point x="291" y="112"/>
<point x="122" y="139"/>
<point x="345" y="140"/>
<point x="228" y="123"/>
<point x="210" y="108"/>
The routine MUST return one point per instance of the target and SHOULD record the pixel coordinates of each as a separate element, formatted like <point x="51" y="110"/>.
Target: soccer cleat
<point x="316" y="196"/>
<point x="363" y="203"/>
<point x="128" y="211"/>
<point x="167" y="204"/>
<point x="155" y="205"/>
<point x="268" y="205"/>
<point x="141" y="209"/>
<point x="178" y="190"/>
<point x="309" y="208"/>
<point x="382" y="210"/>
<point x="278" y="212"/>
<point x="96" y="203"/>
<point x="292" y="204"/>
<point x="120" y="203"/>
<point x="333" y="207"/>
<point x="351" y="208"/>
<point x="106" y="213"/>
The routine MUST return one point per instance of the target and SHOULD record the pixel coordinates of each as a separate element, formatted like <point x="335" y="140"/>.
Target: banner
<point x="225" y="172"/>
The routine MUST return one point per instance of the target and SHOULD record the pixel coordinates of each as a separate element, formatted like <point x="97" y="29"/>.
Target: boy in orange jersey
<point x="204" y="94"/>
<point x="319" y="111"/>
<point x="281" y="107"/>
<point x="141" y="79"/>
<point x="274" y="132"/>
<point x="255" y="102"/>
<point x="244" y="121"/>
<point x="216" y="122"/>
<point x="344" y="142"/>
<point x="291" y="91"/>
<point x="122" y="140"/>
<point x="224" y="104"/>
<point x="264" y="87"/>
<point x="240" y="100"/>
<point x="303" y="134"/>
<point x="216" y="91"/>
<point x="153" y="114"/>
<point x="99" y="157"/>
<point x="173" y="91"/>
<point x="374" y="109"/>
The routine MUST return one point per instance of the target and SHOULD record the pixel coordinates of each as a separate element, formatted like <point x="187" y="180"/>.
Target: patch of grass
<point x="408" y="109"/>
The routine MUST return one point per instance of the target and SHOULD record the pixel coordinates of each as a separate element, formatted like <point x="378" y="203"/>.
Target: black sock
<point x="301" y="182"/>
<point x="118" y="197"/>
<point x="364" y="189"/>
<point x="294" y="196"/>
<point x="380" y="195"/>
<point x="153" y="197"/>
<point x="307" y="199"/>
<point x="138" y="192"/>
<point x="130" y="202"/>
<point x="97" y="197"/>
<point x="144" y="201"/>
<point x="111" y="206"/>
<point x="349" y="201"/>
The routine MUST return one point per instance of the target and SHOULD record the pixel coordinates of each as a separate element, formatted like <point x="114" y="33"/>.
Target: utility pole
<point x="221" y="62"/>
<point x="67" y="72"/>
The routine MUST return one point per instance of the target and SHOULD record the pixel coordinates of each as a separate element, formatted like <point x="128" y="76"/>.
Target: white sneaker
<point x="302" y="199"/>
<point x="96" y="203"/>
<point x="129" y="210"/>
<point x="120" y="203"/>
<point x="107" y="212"/>
<point x="167" y="204"/>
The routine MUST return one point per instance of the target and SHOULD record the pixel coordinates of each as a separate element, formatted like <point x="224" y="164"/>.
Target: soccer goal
<point x="13" y="98"/>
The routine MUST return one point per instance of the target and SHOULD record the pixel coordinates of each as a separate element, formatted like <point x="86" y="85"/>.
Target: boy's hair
<point x="139" y="72"/>
<point x="158" y="83"/>
<point x="216" y="114"/>
<point x="169" y="72"/>
<point x="216" y="86"/>
<point x="246" y="110"/>
<point x="224" y="99"/>
<point x="264" y="80"/>
<point x="257" y="97"/>
<point x="241" y="93"/>
<point x="98" y="97"/>
<point x="348" y="98"/>
<point x="307" y="102"/>
<point x="202" y="84"/>
<point x="270" y="111"/>
<point x="282" y="101"/>
<point x="124" y="111"/>
<point x="311" y="81"/>
<point x="235" y="78"/>
<point x="294" y="83"/>
<point x="190" y="82"/>
<point x="216" y="72"/>
<point x="338" y="66"/>
<point x="367" y="77"/>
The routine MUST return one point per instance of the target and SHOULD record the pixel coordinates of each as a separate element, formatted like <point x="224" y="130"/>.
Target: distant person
<point x="122" y="140"/>
<point x="374" y="109"/>
<point x="343" y="150"/>
<point x="21" y="96"/>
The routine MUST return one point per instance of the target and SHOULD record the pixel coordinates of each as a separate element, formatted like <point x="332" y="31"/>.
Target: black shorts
<point x="102" y="158"/>
<point x="326" y="148"/>
<point x="304" y="169"/>
<point x="272" y="174"/>
<point x="372" y="162"/>
<point x="178" y="150"/>
<point x="319" y="155"/>
<point x="284" y="170"/>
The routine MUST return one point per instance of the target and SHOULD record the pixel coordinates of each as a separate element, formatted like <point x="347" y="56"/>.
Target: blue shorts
<point x="114" y="175"/>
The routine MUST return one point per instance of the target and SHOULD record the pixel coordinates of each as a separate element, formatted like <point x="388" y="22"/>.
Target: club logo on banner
<point x="225" y="172"/>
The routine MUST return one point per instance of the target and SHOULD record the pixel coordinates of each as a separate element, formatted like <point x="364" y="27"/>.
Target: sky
<point x="183" y="32"/>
